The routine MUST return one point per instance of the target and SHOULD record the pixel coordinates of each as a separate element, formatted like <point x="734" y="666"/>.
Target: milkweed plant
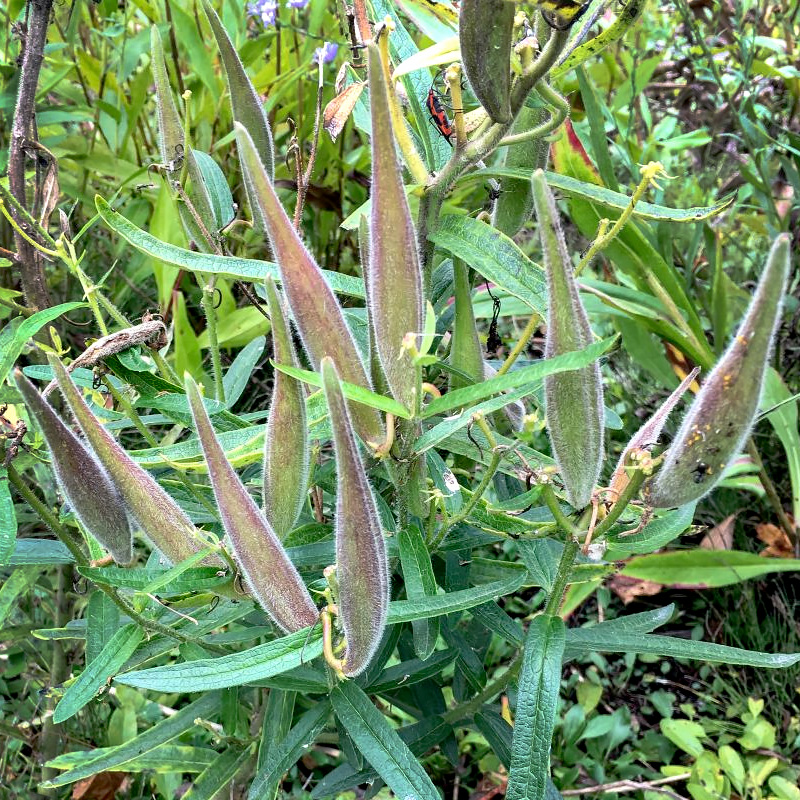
<point x="338" y="581"/>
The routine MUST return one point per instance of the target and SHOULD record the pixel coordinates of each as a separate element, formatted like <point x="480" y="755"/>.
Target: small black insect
<point x="493" y="340"/>
<point x="700" y="472"/>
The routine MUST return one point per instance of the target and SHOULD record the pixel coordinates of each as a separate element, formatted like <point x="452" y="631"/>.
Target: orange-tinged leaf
<point x="338" y="111"/>
<point x="720" y="537"/>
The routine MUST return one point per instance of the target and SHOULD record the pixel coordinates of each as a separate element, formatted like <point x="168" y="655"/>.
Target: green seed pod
<point x="485" y="32"/>
<point x="314" y="307"/>
<point x="573" y="400"/>
<point x="720" y="418"/>
<point x="266" y="567"/>
<point x="514" y="207"/>
<point x="160" y="518"/>
<point x="85" y="484"/>
<point x="465" y="348"/>
<point x="361" y="563"/>
<point x="393" y="272"/>
<point x="286" y="437"/>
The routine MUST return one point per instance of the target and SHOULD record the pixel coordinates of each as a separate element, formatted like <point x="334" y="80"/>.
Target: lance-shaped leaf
<point x="175" y="146"/>
<point x="286" y="437"/>
<point x="647" y="435"/>
<point x="720" y="418"/>
<point x="465" y="348"/>
<point x="160" y="518"/>
<point x="485" y="30"/>
<point x="394" y="275"/>
<point x="574" y="400"/>
<point x="266" y="567"/>
<point x="247" y="106"/>
<point x="361" y="564"/>
<point x="85" y="484"/>
<point x="319" y="318"/>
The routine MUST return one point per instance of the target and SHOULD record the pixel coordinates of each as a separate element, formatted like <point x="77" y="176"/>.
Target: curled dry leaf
<point x="338" y="111"/>
<point x="720" y="537"/>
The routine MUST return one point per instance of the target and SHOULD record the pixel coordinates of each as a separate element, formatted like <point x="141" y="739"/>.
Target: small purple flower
<point x="326" y="54"/>
<point x="265" y="10"/>
<point x="297" y="3"/>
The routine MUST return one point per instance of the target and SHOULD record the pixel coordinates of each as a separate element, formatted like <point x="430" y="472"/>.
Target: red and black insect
<point x="439" y="117"/>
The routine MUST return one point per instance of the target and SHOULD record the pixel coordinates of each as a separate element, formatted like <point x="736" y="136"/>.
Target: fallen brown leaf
<point x="339" y="109"/>
<point x="778" y="543"/>
<point x="102" y="786"/>
<point x="628" y="588"/>
<point x="720" y="537"/>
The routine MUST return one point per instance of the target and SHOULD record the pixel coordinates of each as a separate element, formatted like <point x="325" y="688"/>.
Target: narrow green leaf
<point x="655" y="535"/>
<point x="218" y="774"/>
<point x="460" y="600"/>
<point x="380" y="744"/>
<point x="415" y="670"/>
<point x="236" y="669"/>
<point x="245" y="269"/>
<point x="493" y="255"/>
<point x="8" y="519"/>
<point x="420" y="582"/>
<point x="43" y="552"/>
<point x="18" y="582"/>
<point x="289" y="751"/>
<point x="705" y="568"/>
<point x="197" y="579"/>
<point x="362" y="570"/>
<point x="14" y="335"/>
<point x="98" y="671"/>
<point x="165" y="758"/>
<point x="469" y="395"/>
<point x="600" y="639"/>
<point x="262" y="559"/>
<point x="319" y="317"/>
<point x="145" y="743"/>
<point x="537" y="704"/>
<point x="466" y="352"/>
<point x="102" y="622"/>
<point x="351" y="391"/>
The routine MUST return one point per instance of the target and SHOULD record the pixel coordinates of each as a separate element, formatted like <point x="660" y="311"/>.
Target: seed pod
<point x="85" y="484"/>
<point x="394" y="274"/>
<point x="514" y="207"/>
<point x="647" y="435"/>
<point x="573" y="400"/>
<point x="720" y="418"/>
<point x="247" y="106"/>
<point x="361" y="563"/>
<point x="465" y="348"/>
<point x="315" y="309"/>
<point x="485" y="31"/>
<point x="161" y="519"/>
<point x="286" y="437"/>
<point x="266" y="567"/>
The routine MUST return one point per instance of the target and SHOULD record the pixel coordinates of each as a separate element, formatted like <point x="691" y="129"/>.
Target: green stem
<point x="122" y="401"/>
<point x="628" y="493"/>
<point x="492" y="689"/>
<point x="562" y="576"/>
<point x="561" y="106"/>
<point x="494" y="464"/>
<point x="213" y="343"/>
<point x="563" y="522"/>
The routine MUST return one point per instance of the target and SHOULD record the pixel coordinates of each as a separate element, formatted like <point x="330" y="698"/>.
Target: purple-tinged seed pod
<point x="361" y="564"/>
<point x="266" y="567"/>
<point x="574" y="399"/>
<point x="393" y="271"/>
<point x="722" y="414"/>
<point x="160" y="518"/>
<point x="316" y="312"/>
<point x="82" y="479"/>
<point x="286" y="454"/>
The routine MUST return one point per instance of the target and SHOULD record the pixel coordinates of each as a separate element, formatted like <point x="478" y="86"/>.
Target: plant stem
<point x="551" y="501"/>
<point x="562" y="576"/>
<point x="213" y="342"/>
<point x="772" y="496"/>
<point x="628" y="493"/>
<point x="468" y="708"/>
<point x="477" y="494"/>
<point x="521" y="344"/>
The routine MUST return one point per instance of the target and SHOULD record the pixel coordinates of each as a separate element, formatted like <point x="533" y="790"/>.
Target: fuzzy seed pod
<point x="286" y="437"/>
<point x="573" y="400"/>
<point x="393" y="272"/>
<point x="722" y="414"/>
<point x="361" y="562"/>
<point x="266" y="567"/>
<point x="315" y="309"/>
<point x="160" y="518"/>
<point x="465" y="348"/>
<point x="85" y="484"/>
<point x="485" y="31"/>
